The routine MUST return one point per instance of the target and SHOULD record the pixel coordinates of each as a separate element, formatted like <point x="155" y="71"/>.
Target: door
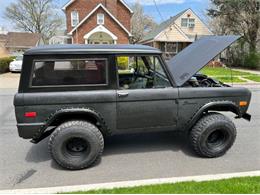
<point x="145" y="98"/>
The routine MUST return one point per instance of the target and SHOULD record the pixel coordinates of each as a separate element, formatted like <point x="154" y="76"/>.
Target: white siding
<point x="172" y="34"/>
<point x="199" y="29"/>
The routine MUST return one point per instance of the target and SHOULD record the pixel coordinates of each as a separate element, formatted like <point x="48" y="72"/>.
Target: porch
<point x="169" y="49"/>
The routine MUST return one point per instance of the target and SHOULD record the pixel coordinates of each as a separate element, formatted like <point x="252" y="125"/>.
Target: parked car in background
<point x="16" y="65"/>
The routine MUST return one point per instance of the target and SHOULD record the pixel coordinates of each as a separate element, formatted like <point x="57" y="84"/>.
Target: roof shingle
<point x="22" y="39"/>
<point x="162" y="26"/>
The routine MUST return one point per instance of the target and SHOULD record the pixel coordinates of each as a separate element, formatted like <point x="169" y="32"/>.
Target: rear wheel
<point x="76" y="144"/>
<point x="213" y="135"/>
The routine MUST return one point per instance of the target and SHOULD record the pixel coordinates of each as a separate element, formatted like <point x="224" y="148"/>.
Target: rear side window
<point x="70" y="72"/>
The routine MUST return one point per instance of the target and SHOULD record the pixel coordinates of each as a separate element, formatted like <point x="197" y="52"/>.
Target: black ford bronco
<point x="78" y="94"/>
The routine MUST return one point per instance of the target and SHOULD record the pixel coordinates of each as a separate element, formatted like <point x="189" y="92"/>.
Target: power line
<point x="158" y="10"/>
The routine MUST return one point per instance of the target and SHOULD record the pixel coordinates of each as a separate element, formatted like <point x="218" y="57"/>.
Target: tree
<point x="141" y="23"/>
<point x="35" y="16"/>
<point x="238" y="17"/>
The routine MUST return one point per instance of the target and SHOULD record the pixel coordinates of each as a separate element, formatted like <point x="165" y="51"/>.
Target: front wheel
<point x="76" y="144"/>
<point x="213" y="135"/>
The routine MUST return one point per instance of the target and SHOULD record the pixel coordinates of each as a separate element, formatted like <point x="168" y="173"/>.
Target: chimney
<point x="111" y="5"/>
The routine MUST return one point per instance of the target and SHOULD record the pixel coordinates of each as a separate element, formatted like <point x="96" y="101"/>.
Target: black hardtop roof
<point x="95" y="49"/>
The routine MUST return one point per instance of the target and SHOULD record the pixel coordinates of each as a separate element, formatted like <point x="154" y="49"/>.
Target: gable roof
<point x="22" y="40"/>
<point x="163" y="36"/>
<point x="71" y="1"/>
<point x="93" y="11"/>
<point x="161" y="27"/>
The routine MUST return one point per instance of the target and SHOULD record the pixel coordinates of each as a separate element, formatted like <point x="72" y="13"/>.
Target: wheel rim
<point x="76" y="147"/>
<point x="217" y="139"/>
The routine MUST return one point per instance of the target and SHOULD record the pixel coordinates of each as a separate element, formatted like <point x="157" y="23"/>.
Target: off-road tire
<point x="213" y="135"/>
<point x="64" y="145"/>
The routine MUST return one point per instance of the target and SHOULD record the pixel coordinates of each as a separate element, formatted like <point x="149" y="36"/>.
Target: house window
<point x="184" y="22"/>
<point x="188" y="22"/>
<point x="191" y="23"/>
<point x="74" y="18"/>
<point x="100" y="19"/>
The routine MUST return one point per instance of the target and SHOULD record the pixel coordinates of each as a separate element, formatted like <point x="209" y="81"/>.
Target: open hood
<point x="193" y="58"/>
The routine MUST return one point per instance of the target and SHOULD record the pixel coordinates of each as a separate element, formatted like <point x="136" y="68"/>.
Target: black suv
<point x="79" y="94"/>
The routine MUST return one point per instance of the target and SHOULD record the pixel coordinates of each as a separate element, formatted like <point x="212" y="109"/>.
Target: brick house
<point x="98" y="21"/>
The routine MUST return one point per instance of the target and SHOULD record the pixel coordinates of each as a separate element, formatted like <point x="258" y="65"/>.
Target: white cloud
<point x="151" y="2"/>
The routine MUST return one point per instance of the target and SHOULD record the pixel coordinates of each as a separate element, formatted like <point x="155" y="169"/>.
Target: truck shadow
<point x="124" y="144"/>
<point x="147" y="142"/>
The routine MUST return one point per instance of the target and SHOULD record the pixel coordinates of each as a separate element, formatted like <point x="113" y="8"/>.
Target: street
<point x="126" y="157"/>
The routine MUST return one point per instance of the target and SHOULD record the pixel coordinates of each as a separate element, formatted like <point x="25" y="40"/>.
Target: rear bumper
<point x="246" y="116"/>
<point x="15" y="69"/>
<point x="28" y="130"/>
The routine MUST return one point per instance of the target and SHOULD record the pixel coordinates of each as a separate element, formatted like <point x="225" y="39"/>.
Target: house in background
<point x="16" y="43"/>
<point x="60" y="38"/>
<point x="178" y="32"/>
<point x="98" y="21"/>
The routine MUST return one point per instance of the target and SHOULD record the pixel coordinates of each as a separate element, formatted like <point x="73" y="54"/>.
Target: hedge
<point x="4" y="64"/>
<point x="252" y="61"/>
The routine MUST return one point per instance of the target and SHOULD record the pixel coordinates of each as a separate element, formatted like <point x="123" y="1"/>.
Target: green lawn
<point x="223" y="72"/>
<point x="255" y="78"/>
<point x="244" y="185"/>
<point x="224" y="75"/>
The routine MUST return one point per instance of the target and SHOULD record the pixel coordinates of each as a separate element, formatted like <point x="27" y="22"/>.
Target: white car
<point x="16" y="65"/>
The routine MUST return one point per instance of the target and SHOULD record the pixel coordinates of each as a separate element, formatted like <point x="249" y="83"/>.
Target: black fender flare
<point x="225" y="106"/>
<point x="84" y="112"/>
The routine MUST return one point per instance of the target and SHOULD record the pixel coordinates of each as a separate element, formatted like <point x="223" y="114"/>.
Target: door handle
<point x="123" y="94"/>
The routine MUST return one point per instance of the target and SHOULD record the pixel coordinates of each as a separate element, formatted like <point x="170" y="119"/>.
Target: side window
<point x="141" y="72"/>
<point x="70" y="72"/>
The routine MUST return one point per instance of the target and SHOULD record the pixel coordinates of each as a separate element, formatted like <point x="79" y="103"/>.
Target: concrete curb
<point x="122" y="184"/>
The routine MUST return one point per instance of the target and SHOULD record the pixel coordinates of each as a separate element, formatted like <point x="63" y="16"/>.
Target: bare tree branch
<point x="36" y="16"/>
<point x="141" y="23"/>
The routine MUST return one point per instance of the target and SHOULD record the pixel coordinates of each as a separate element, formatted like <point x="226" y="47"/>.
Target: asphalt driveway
<point x="127" y="157"/>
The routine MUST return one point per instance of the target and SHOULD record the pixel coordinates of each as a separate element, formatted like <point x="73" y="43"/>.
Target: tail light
<point x="30" y="114"/>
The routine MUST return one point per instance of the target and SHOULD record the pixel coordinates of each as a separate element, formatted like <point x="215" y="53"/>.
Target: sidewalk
<point x="248" y="71"/>
<point x="246" y="85"/>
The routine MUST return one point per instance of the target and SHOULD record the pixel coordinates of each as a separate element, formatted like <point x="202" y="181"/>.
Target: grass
<point x="224" y="75"/>
<point x="255" y="78"/>
<point x="223" y="72"/>
<point x="245" y="185"/>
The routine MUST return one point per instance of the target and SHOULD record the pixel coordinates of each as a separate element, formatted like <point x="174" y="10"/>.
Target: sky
<point x="167" y="9"/>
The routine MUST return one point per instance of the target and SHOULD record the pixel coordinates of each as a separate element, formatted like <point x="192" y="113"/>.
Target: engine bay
<point x="201" y="80"/>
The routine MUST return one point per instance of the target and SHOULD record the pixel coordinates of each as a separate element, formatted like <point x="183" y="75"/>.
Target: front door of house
<point x="100" y="42"/>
